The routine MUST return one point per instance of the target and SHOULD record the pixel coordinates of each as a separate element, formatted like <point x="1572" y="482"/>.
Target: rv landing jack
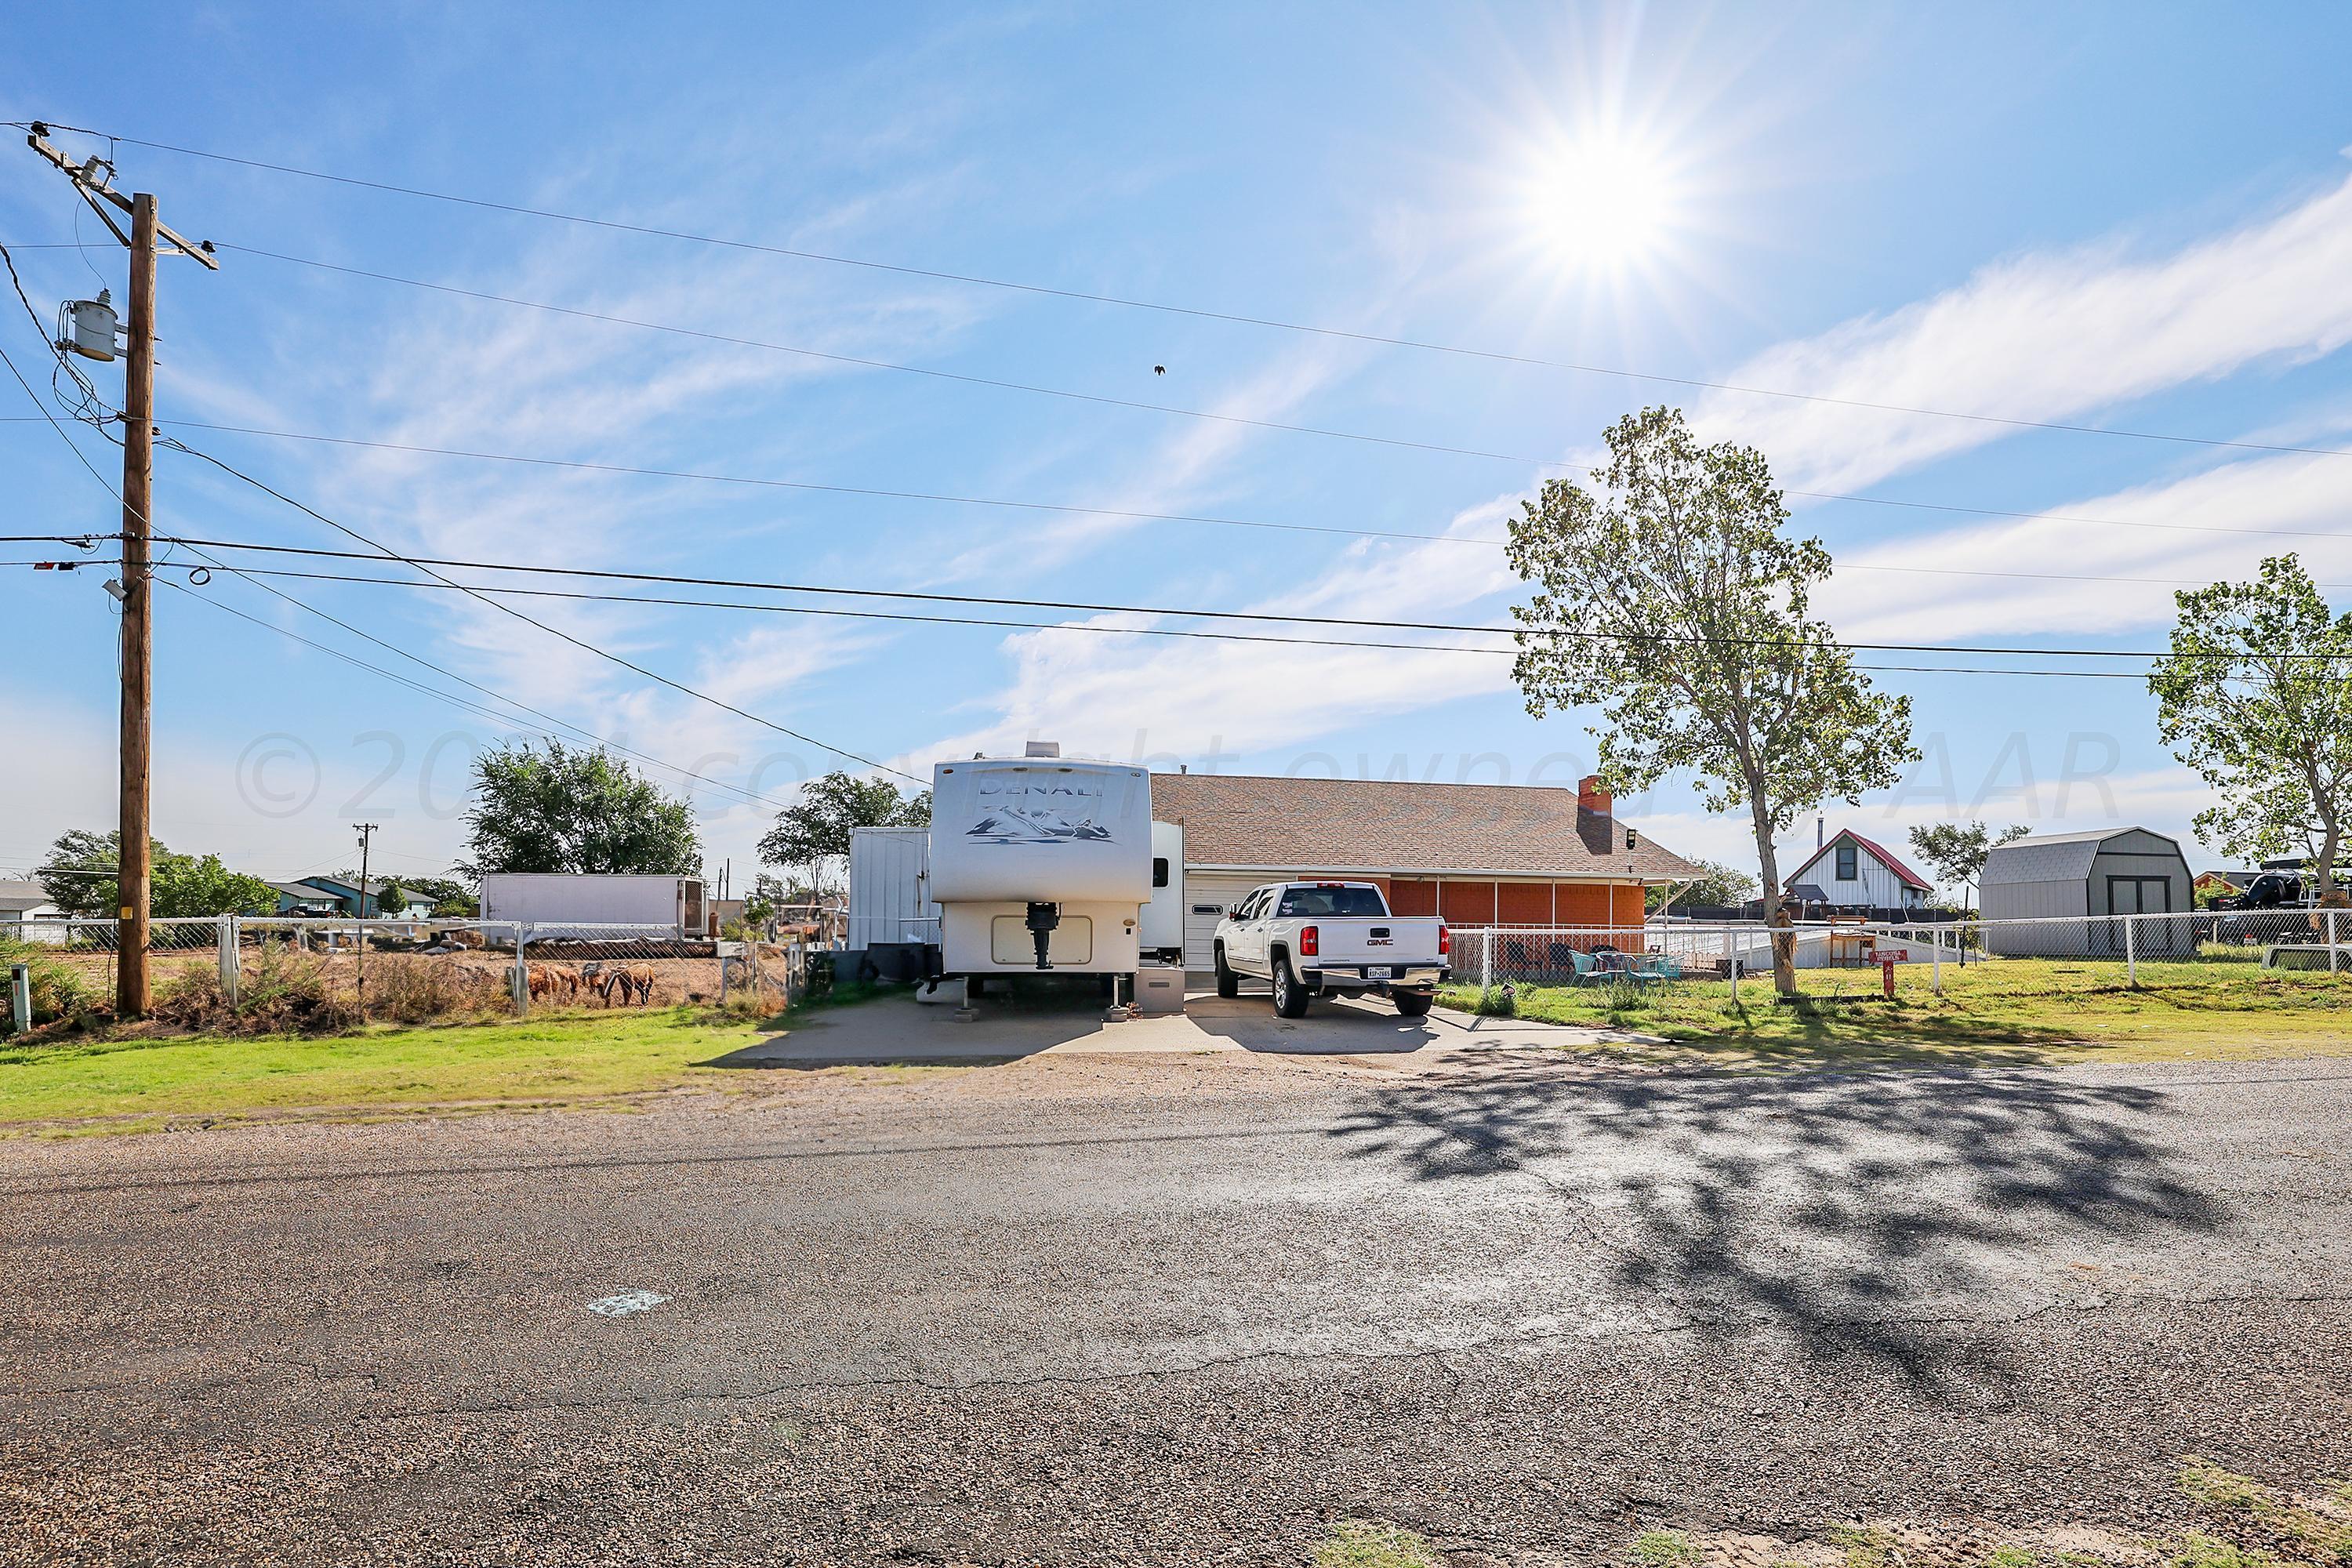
<point x="1042" y="918"/>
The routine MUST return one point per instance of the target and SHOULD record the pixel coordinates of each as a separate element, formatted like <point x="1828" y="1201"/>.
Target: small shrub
<point x="1499" y="1001"/>
<point x="1358" y="1545"/>
<point x="1626" y="995"/>
<point x="59" y="992"/>
<point x="420" y="990"/>
<point x="1663" y="1548"/>
<point x="2010" y="1557"/>
<point x="280" y="991"/>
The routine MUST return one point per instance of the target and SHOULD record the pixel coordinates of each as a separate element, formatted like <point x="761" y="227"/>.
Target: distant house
<point x="27" y="913"/>
<point x="1851" y="872"/>
<point x="333" y="896"/>
<point x="2217" y="884"/>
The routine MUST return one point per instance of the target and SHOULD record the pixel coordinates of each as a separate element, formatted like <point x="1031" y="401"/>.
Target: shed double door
<point x="2141" y="896"/>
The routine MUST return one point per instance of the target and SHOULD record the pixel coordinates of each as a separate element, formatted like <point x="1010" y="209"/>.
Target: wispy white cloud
<point x="2302" y="495"/>
<point x="2050" y="336"/>
<point x="1120" y="696"/>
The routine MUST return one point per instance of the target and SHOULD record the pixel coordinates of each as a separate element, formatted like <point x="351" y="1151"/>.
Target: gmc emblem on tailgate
<point x="1379" y="937"/>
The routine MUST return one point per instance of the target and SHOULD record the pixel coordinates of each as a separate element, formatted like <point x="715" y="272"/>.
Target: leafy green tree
<point x="813" y="833"/>
<point x="450" y="899"/>
<point x="1716" y="885"/>
<point x="1956" y="854"/>
<point x="1673" y="601"/>
<point x="2256" y="695"/>
<point x="550" y="807"/>
<point x="177" y="885"/>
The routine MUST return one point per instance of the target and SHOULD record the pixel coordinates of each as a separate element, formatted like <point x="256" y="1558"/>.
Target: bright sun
<point x="1602" y="203"/>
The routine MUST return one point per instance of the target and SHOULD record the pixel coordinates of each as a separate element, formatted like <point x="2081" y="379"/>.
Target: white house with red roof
<point x="1850" y="872"/>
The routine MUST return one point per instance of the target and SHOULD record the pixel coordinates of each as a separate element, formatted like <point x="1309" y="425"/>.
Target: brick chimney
<point x="1590" y="798"/>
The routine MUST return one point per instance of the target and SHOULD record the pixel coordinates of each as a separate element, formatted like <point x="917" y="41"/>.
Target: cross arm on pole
<point x="93" y="193"/>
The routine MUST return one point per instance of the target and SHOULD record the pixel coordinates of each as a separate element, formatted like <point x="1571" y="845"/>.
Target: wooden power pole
<point x="367" y="834"/>
<point x="91" y="182"/>
<point x="132" y="869"/>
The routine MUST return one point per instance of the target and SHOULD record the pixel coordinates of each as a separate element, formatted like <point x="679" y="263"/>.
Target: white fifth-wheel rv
<point x="1042" y="865"/>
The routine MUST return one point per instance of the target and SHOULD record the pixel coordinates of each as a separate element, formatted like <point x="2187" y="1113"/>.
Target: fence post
<point x="1734" y="962"/>
<point x="518" y="978"/>
<point x="1486" y="962"/>
<point x="20" y="997"/>
<point x="2131" y="949"/>
<point x="2331" y="940"/>
<point x="1938" y="932"/>
<point x="227" y="942"/>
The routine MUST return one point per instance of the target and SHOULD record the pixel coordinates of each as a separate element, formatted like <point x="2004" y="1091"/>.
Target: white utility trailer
<point x="552" y="900"/>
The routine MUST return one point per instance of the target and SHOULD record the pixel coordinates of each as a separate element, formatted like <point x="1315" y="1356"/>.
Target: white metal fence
<point x="1664" y="952"/>
<point x="308" y="970"/>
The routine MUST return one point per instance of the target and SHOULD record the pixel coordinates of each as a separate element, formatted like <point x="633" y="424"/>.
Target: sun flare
<point x="1601" y="203"/>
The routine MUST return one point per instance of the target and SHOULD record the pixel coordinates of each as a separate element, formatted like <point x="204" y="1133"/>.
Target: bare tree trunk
<point x="1784" y="942"/>
<point x="2331" y="835"/>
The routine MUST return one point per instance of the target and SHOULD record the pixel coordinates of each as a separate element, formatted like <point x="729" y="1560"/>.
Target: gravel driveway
<point x="1176" y="1310"/>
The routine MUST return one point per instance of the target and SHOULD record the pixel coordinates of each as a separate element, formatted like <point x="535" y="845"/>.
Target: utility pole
<point x="130" y="993"/>
<point x="91" y="182"/>
<point x="367" y="832"/>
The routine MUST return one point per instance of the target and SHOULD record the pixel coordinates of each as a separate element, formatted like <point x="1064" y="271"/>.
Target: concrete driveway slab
<point x="898" y="1029"/>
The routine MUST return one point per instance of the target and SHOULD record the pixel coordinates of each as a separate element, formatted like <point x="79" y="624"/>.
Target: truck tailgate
<point x="1396" y="940"/>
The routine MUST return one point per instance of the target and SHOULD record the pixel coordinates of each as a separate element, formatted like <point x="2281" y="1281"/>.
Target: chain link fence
<point x="2017" y="951"/>
<point x="259" y="972"/>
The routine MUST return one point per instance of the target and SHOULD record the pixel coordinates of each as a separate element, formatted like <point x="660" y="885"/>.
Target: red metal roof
<point x="1878" y="852"/>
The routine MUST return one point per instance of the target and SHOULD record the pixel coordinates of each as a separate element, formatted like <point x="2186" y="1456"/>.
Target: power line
<point x="1095" y="607"/>
<point x="1067" y="626"/>
<point x="111" y="489"/>
<point x="251" y="575"/>
<point x="386" y="551"/>
<point x="1200" y="312"/>
<point x="1075" y="510"/>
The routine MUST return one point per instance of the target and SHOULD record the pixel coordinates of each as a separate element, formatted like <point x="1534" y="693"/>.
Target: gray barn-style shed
<point x="2061" y="880"/>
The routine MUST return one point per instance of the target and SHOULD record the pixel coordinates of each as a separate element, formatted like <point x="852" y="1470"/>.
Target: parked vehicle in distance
<point x="1332" y="939"/>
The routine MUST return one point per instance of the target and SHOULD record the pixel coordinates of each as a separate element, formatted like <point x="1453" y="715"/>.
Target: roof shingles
<point x="1377" y="824"/>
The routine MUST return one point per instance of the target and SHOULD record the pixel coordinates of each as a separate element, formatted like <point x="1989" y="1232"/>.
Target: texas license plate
<point x="1384" y="973"/>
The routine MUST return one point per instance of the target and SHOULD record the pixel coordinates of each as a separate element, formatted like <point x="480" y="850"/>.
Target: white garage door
<point x="1207" y="896"/>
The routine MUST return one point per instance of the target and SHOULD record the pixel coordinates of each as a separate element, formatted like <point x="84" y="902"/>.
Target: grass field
<point x="2012" y="1010"/>
<point x="138" y="1078"/>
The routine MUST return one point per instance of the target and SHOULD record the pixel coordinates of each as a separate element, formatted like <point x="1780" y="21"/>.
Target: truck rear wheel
<point x="1290" y="996"/>
<point x="1229" y="985"/>
<point x="1414" y="1004"/>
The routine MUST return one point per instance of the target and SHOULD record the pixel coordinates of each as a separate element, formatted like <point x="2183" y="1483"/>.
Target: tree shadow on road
<point x="1870" y="1214"/>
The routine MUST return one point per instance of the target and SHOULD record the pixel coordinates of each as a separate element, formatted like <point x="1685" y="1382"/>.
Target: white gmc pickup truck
<point x="1306" y="939"/>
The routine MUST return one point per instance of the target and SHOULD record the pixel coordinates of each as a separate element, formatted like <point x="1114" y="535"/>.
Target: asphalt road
<point x="1176" y="1310"/>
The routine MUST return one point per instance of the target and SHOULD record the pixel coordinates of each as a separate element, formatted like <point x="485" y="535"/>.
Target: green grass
<point x="137" y="1078"/>
<point x="2018" y="1009"/>
<point x="1662" y="1549"/>
<point x="561" y="1058"/>
<point x="1356" y="1543"/>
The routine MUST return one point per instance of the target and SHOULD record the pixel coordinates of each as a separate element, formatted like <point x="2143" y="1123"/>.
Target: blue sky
<point x="2124" y="217"/>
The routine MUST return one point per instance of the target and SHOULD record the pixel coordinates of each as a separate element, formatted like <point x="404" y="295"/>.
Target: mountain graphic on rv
<point x="1012" y="825"/>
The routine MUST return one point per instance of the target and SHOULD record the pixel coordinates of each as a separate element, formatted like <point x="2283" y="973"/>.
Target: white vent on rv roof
<point x="1043" y="749"/>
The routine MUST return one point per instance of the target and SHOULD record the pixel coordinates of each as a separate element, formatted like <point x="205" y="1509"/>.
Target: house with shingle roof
<point x="1479" y="855"/>
<point x="27" y="913"/>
